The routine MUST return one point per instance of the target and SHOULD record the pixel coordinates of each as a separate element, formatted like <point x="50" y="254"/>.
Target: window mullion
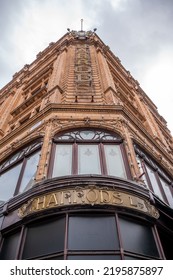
<point x="158" y="242"/>
<point x="51" y="164"/>
<point x="75" y="158"/>
<point x="125" y="161"/>
<point x="20" y="176"/>
<point x="66" y="237"/>
<point x="119" y="236"/>
<point x="18" y="253"/>
<point x="102" y="159"/>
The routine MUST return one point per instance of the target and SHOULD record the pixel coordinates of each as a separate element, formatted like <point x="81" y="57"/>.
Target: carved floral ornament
<point x="90" y="196"/>
<point x="114" y="125"/>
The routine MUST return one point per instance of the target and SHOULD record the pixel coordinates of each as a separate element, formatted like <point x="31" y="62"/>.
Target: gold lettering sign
<point x="83" y="73"/>
<point x="87" y="196"/>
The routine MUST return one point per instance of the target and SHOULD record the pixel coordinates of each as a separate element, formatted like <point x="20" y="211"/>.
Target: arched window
<point x="17" y="173"/>
<point x="88" y="152"/>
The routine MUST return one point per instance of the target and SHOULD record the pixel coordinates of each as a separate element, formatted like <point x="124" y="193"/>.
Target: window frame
<point x="147" y="162"/>
<point x="102" y="156"/>
<point x="150" y="185"/>
<point x="66" y="251"/>
<point x="22" y="157"/>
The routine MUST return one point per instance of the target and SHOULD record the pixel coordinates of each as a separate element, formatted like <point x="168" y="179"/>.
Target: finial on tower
<point x="81" y="34"/>
<point x="81" y="24"/>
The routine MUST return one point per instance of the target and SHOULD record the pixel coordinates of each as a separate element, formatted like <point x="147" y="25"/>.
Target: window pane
<point x="154" y="182"/>
<point x="114" y="161"/>
<point x="137" y="238"/>
<point x="94" y="257"/>
<point x="87" y="134"/>
<point x="8" y="181"/>
<point x="44" y="238"/>
<point x="63" y="160"/>
<point x="29" y="172"/>
<point x="9" y="248"/>
<point x="167" y="192"/>
<point x="92" y="233"/>
<point x="88" y="159"/>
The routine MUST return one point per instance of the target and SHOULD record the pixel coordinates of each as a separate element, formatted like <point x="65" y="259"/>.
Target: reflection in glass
<point x="92" y="233"/>
<point x="114" y="161"/>
<point x="88" y="159"/>
<point x="154" y="182"/>
<point x="167" y="192"/>
<point x="44" y="238"/>
<point x="63" y="160"/>
<point x="29" y="172"/>
<point x="8" y="181"/>
<point x="137" y="238"/>
<point x="9" y="248"/>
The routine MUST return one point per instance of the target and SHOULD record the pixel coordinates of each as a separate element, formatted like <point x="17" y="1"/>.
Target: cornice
<point x="102" y="109"/>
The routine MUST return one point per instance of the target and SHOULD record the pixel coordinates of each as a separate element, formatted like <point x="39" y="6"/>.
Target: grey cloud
<point x="138" y="30"/>
<point x="9" y="13"/>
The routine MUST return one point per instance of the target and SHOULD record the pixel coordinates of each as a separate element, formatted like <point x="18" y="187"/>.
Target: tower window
<point x="88" y="152"/>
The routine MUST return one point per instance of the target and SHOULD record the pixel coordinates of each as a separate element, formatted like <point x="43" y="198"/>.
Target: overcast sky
<point x="139" y="32"/>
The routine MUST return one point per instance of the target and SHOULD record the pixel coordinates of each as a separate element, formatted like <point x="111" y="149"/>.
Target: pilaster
<point x="107" y="82"/>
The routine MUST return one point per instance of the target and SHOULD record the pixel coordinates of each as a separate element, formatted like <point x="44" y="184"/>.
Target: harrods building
<point x="86" y="161"/>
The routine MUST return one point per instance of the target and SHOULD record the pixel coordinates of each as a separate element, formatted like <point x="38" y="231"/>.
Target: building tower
<point x="86" y="161"/>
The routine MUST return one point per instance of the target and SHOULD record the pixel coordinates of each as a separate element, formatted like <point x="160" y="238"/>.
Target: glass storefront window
<point x="44" y="238"/>
<point x="87" y="236"/>
<point x="137" y="238"/>
<point x="92" y="233"/>
<point x="9" y="248"/>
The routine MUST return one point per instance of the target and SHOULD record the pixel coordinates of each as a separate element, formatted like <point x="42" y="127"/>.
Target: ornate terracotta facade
<point x="76" y="84"/>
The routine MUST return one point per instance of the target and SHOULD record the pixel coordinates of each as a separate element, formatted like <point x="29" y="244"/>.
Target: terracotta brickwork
<point x="79" y="82"/>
